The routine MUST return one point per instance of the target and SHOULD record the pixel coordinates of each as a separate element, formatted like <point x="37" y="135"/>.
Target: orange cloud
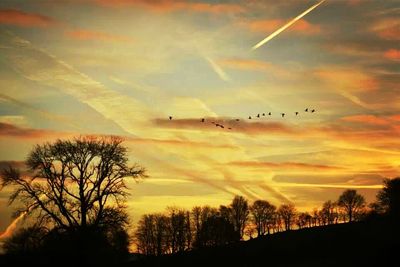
<point x="241" y="126"/>
<point x="388" y="28"/>
<point x="23" y="19"/>
<point x="172" y="142"/>
<point x="171" y="5"/>
<point x="87" y="35"/>
<point x="348" y="79"/>
<point x="368" y="119"/>
<point x="302" y="26"/>
<point x="392" y="54"/>
<point x="283" y="165"/>
<point x="244" y="64"/>
<point x="11" y="130"/>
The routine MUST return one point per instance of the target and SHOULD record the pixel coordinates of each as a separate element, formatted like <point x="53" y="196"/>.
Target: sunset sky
<point x="121" y="67"/>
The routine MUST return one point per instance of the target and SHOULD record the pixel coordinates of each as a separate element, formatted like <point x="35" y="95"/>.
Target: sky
<point x="122" y="67"/>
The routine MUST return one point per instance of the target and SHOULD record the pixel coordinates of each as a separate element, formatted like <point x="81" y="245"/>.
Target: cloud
<point x="218" y="70"/>
<point x="269" y="25"/>
<point x="387" y="28"/>
<point x="172" y="5"/>
<point x="368" y="119"/>
<point x="284" y="165"/>
<point x="39" y="66"/>
<point x="10" y="130"/>
<point x="244" y="64"/>
<point x="24" y="19"/>
<point x="241" y="126"/>
<point x="184" y="143"/>
<point x="334" y="180"/>
<point x="276" y="193"/>
<point x="12" y="227"/>
<point x="351" y="79"/>
<point x="392" y="54"/>
<point x="88" y="35"/>
<point x="348" y="82"/>
<point x="41" y="112"/>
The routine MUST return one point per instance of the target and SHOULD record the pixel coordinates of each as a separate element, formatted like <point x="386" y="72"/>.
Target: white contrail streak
<point x="287" y="25"/>
<point x="218" y="70"/>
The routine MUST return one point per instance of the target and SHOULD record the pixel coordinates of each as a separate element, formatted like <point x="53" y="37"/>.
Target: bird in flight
<point x="202" y="120"/>
<point x="237" y="119"/>
<point x="263" y="114"/>
<point x="229" y="128"/>
<point x="170" y="117"/>
<point x="297" y="113"/>
<point x="258" y="115"/>
<point x="249" y="117"/>
<point x="283" y="115"/>
<point x="312" y="111"/>
<point x="306" y="110"/>
<point x="269" y="113"/>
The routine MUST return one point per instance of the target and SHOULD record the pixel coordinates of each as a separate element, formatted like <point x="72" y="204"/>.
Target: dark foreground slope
<point x="370" y="243"/>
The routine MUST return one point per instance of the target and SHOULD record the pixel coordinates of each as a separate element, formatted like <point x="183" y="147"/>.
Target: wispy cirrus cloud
<point x="172" y="5"/>
<point x="89" y="35"/>
<point x="37" y="65"/>
<point x="244" y="64"/>
<point x="367" y="119"/>
<point x="10" y="130"/>
<point x="240" y="126"/>
<point x="24" y="19"/>
<point x="285" y="165"/>
<point x="387" y="28"/>
<point x="175" y="142"/>
<point x="392" y="54"/>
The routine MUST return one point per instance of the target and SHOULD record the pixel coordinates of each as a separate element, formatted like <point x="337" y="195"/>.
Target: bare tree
<point x="352" y="203"/>
<point x="239" y="214"/>
<point x="288" y="214"/>
<point x="180" y="229"/>
<point x="199" y="215"/>
<point x="328" y="212"/>
<point x="304" y="220"/>
<point x="263" y="213"/>
<point x="216" y="230"/>
<point x="74" y="183"/>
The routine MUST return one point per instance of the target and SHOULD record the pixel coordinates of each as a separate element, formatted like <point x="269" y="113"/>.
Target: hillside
<point x="371" y="243"/>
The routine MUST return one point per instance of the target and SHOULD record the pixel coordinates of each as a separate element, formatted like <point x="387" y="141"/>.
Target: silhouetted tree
<point x="352" y="203"/>
<point x="388" y="198"/>
<point x="263" y="213"/>
<point x="77" y="189"/>
<point x="25" y="240"/>
<point x="180" y="230"/>
<point x="288" y="214"/>
<point x="328" y="212"/>
<point x="216" y="230"/>
<point x="153" y="234"/>
<point x="239" y="209"/>
<point x="199" y="216"/>
<point x="304" y="219"/>
<point x="73" y="183"/>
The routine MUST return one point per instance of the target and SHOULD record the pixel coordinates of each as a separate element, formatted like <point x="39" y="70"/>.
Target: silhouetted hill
<point x="369" y="243"/>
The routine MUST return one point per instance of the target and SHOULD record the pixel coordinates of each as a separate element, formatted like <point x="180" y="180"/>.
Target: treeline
<point x="178" y="229"/>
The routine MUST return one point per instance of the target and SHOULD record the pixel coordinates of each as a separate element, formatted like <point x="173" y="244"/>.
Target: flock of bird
<point x="259" y="115"/>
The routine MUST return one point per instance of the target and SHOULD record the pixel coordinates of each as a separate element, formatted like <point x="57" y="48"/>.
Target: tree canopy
<point x="74" y="183"/>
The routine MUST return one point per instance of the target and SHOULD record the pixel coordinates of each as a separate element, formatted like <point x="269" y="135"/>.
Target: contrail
<point x="11" y="228"/>
<point x="287" y="25"/>
<point x="218" y="70"/>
